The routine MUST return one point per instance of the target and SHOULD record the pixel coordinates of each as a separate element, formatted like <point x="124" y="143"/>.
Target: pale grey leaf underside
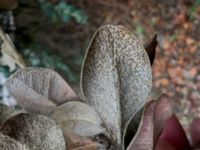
<point x="116" y="77"/>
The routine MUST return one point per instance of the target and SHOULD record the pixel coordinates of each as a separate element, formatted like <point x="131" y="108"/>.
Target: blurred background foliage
<point x="195" y="6"/>
<point x="54" y="14"/>
<point x="56" y="33"/>
<point x="62" y="11"/>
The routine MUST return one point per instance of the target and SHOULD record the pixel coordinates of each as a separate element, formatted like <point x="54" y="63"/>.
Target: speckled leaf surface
<point x="6" y="112"/>
<point x="116" y="77"/>
<point x="152" y="124"/>
<point x="7" y="143"/>
<point x="39" y="90"/>
<point x="78" y="118"/>
<point x="10" y="55"/>
<point x="34" y="131"/>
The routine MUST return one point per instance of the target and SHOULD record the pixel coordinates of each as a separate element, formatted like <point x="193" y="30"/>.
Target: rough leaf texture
<point x="116" y="77"/>
<point x="7" y="143"/>
<point x="152" y="123"/>
<point x="10" y="55"/>
<point x="7" y="112"/>
<point x="39" y="90"/>
<point x="78" y="118"/>
<point x="37" y="132"/>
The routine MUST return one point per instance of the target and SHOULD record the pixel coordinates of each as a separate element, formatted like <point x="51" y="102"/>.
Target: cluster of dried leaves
<point x="111" y="113"/>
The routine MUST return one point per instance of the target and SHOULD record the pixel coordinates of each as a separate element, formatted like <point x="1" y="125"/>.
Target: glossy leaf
<point x="174" y="134"/>
<point x="152" y="124"/>
<point x="195" y="133"/>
